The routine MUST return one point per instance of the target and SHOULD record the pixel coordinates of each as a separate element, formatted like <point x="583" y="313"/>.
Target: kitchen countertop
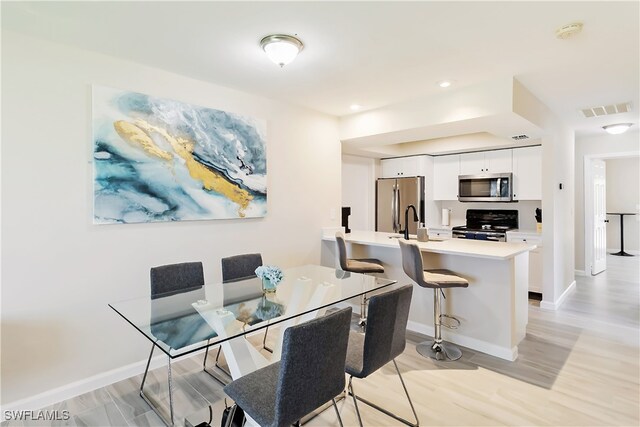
<point x="463" y="247"/>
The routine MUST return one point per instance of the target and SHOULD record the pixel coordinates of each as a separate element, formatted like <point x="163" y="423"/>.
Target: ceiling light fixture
<point x="569" y="30"/>
<point x="281" y="48"/>
<point x="617" y="128"/>
<point x="444" y="83"/>
<point x="355" y="107"/>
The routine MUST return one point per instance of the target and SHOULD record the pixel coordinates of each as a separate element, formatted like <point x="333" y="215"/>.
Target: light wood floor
<point x="578" y="366"/>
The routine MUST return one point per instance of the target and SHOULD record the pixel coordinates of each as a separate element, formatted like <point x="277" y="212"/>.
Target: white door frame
<point x="588" y="202"/>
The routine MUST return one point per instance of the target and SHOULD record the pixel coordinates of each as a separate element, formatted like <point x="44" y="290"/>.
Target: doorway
<point x="596" y="221"/>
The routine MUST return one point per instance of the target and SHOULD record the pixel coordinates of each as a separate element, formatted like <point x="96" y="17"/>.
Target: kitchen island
<point x="492" y="310"/>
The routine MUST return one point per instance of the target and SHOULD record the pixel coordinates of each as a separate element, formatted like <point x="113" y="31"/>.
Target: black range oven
<point x="487" y="224"/>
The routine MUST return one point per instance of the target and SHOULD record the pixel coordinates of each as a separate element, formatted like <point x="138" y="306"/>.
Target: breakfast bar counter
<point x="492" y="310"/>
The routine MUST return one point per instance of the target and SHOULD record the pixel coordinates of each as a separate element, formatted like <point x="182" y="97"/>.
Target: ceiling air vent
<point x="606" y="110"/>
<point x="520" y="137"/>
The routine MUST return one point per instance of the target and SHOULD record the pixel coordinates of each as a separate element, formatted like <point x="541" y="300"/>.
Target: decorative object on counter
<point x="271" y="276"/>
<point x="423" y="233"/>
<point x="446" y="213"/>
<point x="157" y="159"/>
<point x="436" y="280"/>
<point x="346" y="211"/>
<point x="539" y="220"/>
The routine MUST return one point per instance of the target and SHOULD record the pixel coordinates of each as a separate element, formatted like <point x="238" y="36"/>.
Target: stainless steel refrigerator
<point x="393" y="195"/>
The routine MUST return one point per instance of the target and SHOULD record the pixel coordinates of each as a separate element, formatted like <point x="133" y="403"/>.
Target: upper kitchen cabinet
<point x="498" y="161"/>
<point x="401" y="167"/>
<point x="527" y="173"/>
<point x="445" y="177"/>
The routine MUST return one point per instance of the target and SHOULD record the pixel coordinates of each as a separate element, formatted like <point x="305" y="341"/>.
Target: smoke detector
<point x="569" y="30"/>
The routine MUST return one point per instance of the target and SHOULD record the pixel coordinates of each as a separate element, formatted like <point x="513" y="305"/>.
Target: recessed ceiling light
<point x="444" y="83"/>
<point x="281" y="48"/>
<point x="355" y="107"/>
<point x="617" y="128"/>
<point x="569" y="30"/>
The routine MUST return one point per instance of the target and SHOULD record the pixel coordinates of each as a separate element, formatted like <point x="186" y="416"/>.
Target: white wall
<point x="60" y="271"/>
<point x="603" y="145"/>
<point x="358" y="191"/>
<point x="623" y="195"/>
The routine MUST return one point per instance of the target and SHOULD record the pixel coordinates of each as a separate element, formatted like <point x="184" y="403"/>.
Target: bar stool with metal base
<point x="436" y="280"/>
<point x="359" y="265"/>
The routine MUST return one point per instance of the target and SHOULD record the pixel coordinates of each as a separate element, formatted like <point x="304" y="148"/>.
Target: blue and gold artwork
<point x="162" y="160"/>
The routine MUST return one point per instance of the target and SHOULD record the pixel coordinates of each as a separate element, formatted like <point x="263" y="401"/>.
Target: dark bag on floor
<point x="237" y="415"/>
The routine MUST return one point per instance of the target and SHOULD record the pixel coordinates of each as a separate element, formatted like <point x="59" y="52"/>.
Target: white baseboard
<point x="547" y="305"/>
<point x="510" y="354"/>
<point x="86" y="385"/>
<point x="580" y="273"/>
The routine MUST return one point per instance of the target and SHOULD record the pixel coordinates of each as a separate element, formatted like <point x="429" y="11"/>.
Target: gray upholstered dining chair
<point x="384" y="340"/>
<point x="168" y="280"/>
<point x="310" y="373"/>
<point x="240" y="267"/>
<point x="235" y="268"/>
<point x="436" y="280"/>
<point x="357" y="265"/>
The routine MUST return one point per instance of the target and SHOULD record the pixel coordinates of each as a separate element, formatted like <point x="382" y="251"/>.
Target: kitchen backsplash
<point x="526" y="212"/>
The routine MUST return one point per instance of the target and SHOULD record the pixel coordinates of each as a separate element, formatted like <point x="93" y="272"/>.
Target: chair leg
<point x="384" y="411"/>
<point x="407" y="393"/>
<point x="335" y="406"/>
<point x="363" y="311"/>
<point x="355" y="400"/>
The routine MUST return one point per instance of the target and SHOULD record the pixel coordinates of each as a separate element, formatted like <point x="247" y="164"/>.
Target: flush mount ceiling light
<point x="355" y="107"/>
<point x="444" y="83"/>
<point x="617" y="128"/>
<point x="281" y="48"/>
<point x="569" y="30"/>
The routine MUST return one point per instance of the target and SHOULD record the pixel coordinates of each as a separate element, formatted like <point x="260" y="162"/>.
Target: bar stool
<point x="436" y="280"/>
<point x="360" y="265"/>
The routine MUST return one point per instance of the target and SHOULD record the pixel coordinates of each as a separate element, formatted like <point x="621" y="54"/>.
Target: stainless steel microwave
<point x="489" y="187"/>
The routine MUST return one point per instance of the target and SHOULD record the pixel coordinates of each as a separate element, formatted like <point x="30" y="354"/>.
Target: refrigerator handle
<point x="398" y="200"/>
<point x="394" y="220"/>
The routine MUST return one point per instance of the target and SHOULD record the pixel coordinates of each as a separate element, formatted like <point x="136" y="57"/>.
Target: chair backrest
<point x="385" y="333"/>
<point x="312" y="365"/>
<point x="412" y="261"/>
<point x="176" y="278"/>
<point x="240" y="267"/>
<point x="342" y="250"/>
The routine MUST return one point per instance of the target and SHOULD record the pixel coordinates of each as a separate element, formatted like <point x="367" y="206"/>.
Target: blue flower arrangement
<point x="270" y="272"/>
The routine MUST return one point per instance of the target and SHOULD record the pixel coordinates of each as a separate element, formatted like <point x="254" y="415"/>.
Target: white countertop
<point x="464" y="247"/>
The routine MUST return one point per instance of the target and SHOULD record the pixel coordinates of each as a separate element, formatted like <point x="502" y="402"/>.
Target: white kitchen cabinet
<point x="401" y="167"/>
<point x="440" y="233"/>
<point x="497" y="161"/>
<point x="527" y="173"/>
<point x="445" y="177"/>
<point x="535" y="256"/>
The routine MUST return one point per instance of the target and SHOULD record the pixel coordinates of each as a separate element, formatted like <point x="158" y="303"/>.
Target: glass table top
<point x="181" y="323"/>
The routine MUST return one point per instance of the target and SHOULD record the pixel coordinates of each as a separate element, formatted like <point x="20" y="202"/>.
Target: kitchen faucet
<point x="406" y="220"/>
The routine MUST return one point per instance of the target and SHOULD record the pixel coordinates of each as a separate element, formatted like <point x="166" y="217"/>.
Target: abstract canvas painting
<point x="162" y="160"/>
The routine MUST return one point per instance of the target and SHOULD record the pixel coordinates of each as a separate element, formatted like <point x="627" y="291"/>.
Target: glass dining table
<point x="180" y="324"/>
